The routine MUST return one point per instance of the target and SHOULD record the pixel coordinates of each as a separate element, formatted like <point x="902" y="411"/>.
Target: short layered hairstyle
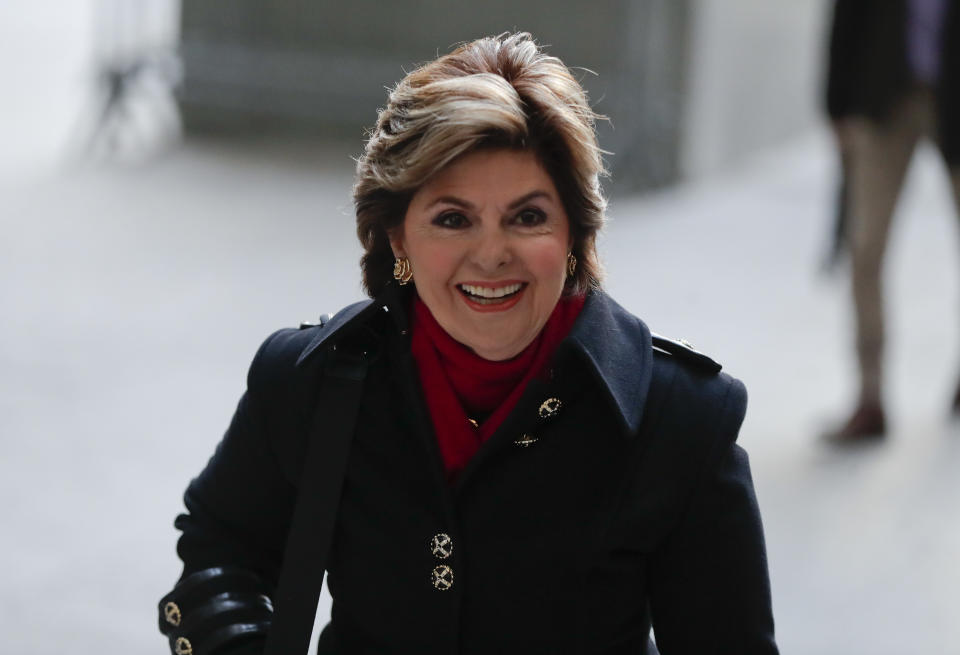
<point x="495" y="92"/>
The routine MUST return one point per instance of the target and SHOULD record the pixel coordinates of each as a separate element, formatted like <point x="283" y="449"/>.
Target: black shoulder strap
<point x="311" y="528"/>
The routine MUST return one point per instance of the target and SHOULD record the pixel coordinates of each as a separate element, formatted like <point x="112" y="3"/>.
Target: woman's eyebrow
<point x="460" y="202"/>
<point x="539" y="193"/>
<point x="450" y="200"/>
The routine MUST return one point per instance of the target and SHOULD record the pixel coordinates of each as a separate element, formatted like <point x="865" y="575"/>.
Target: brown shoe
<point x="867" y="423"/>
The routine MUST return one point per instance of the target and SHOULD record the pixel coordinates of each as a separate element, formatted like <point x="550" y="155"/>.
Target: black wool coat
<point x="868" y="70"/>
<point x="631" y="507"/>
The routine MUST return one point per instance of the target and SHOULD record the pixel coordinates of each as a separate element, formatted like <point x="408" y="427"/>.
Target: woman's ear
<point x="396" y="243"/>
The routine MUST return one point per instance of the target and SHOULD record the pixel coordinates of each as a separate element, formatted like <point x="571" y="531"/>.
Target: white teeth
<point x="487" y="292"/>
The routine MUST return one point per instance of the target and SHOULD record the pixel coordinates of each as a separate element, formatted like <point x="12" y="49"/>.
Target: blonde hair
<point x="501" y="91"/>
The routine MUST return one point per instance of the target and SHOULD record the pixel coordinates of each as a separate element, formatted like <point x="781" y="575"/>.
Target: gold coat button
<point x="182" y="646"/>
<point x="441" y="545"/>
<point x="442" y="577"/>
<point x="171" y="613"/>
<point x="549" y="408"/>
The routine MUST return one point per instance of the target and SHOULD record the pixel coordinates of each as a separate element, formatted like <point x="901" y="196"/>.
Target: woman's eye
<point x="450" y="219"/>
<point x="531" y="217"/>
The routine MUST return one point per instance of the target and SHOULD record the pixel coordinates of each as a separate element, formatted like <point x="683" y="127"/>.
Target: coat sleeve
<point x="234" y="530"/>
<point x="710" y="591"/>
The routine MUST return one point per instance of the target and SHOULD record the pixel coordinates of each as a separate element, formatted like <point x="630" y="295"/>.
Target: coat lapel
<point x="617" y="351"/>
<point x="617" y="347"/>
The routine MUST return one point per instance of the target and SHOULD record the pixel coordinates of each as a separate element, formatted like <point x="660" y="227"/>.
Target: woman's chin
<point x="498" y="345"/>
<point x="497" y="352"/>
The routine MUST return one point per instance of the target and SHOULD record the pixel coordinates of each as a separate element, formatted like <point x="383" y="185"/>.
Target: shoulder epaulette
<point x="337" y="326"/>
<point x="686" y="352"/>
<point x="320" y="322"/>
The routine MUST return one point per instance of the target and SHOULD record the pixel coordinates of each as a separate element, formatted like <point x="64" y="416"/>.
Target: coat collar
<point x="615" y="345"/>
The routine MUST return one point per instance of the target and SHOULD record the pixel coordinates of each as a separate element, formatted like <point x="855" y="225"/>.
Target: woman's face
<point x="487" y="239"/>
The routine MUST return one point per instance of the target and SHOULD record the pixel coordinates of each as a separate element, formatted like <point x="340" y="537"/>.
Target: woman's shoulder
<point x="647" y="374"/>
<point x="695" y="375"/>
<point x="289" y="350"/>
<point x="687" y="385"/>
<point x="286" y="373"/>
<point x="691" y="419"/>
<point x="698" y="408"/>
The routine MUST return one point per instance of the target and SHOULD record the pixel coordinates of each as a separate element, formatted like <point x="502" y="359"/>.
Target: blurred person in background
<point x="491" y="456"/>
<point x="893" y="79"/>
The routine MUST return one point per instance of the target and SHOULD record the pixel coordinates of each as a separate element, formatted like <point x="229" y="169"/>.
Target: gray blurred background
<point x="174" y="185"/>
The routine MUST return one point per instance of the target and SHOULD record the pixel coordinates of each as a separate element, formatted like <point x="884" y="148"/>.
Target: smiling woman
<point x="491" y="455"/>
<point x="488" y="240"/>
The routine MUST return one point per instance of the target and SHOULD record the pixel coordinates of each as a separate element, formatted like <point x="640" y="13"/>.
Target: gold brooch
<point x="526" y="440"/>
<point x="549" y="408"/>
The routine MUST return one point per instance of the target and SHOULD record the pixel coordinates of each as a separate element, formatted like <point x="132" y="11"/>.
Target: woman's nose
<point x="491" y="251"/>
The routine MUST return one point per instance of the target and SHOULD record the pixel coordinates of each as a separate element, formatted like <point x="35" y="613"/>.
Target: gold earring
<point x="571" y="264"/>
<point x="402" y="271"/>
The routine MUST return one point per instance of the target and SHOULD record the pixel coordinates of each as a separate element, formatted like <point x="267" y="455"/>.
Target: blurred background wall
<point x="690" y="86"/>
<point x="753" y="78"/>
<point x="680" y="80"/>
